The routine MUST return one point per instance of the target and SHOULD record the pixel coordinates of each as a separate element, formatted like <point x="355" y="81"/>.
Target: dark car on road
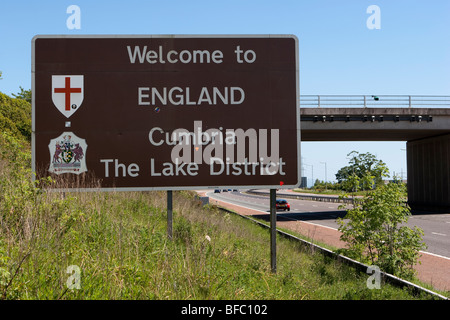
<point x="282" y="204"/>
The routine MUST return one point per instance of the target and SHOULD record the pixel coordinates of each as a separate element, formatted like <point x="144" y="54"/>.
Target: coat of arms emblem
<point x="67" y="154"/>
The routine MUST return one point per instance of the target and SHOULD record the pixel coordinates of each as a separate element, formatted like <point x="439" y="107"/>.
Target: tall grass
<point x="119" y="243"/>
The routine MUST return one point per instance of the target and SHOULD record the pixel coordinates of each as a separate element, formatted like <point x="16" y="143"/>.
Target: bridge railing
<point x="374" y="101"/>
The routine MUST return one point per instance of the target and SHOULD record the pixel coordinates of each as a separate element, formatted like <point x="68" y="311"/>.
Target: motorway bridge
<point x="422" y="121"/>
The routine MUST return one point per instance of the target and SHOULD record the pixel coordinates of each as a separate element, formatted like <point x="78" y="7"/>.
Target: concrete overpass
<point x="422" y="121"/>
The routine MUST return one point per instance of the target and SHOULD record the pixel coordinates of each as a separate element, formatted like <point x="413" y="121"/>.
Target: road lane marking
<point x="439" y="234"/>
<point x="434" y="254"/>
<point x="242" y="206"/>
<point x="319" y="225"/>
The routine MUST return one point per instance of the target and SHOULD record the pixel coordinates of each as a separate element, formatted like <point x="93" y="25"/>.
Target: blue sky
<point x="338" y="54"/>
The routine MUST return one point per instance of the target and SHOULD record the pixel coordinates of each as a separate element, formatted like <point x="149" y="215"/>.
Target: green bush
<point x="376" y="233"/>
<point x="15" y="117"/>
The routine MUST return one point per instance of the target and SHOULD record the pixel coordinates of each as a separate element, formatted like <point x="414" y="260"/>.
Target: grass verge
<point x="119" y="243"/>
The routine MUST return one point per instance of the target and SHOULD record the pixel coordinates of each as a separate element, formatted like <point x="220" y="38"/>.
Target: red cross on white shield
<point x="67" y="93"/>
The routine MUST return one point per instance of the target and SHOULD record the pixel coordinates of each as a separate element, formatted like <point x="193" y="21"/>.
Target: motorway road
<point x="436" y="227"/>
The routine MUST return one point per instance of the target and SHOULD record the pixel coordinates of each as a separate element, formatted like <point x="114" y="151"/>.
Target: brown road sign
<point x="167" y="112"/>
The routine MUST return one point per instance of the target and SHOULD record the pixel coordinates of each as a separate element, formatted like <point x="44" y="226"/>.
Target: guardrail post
<point x="318" y="101"/>
<point x="410" y="105"/>
<point x="365" y="102"/>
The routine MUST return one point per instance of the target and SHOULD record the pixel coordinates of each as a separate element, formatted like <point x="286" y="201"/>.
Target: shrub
<point x="376" y="232"/>
<point x="15" y="117"/>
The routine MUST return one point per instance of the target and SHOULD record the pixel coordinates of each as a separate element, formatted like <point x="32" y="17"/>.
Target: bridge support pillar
<point x="428" y="163"/>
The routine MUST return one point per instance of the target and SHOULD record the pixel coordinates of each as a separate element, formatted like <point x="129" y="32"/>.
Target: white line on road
<point x="315" y="224"/>
<point x="320" y="225"/>
<point x="439" y="234"/>
<point x="434" y="254"/>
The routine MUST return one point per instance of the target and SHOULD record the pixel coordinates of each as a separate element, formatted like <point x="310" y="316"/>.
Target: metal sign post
<point x="169" y="214"/>
<point x="273" y="230"/>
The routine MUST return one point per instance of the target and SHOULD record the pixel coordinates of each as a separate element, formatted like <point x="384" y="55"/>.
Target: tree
<point x="23" y="94"/>
<point x="376" y="233"/>
<point x="364" y="172"/>
<point x="1" y="75"/>
<point x="15" y="116"/>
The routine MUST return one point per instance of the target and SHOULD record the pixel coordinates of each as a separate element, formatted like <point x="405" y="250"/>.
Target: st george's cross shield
<point x="67" y="93"/>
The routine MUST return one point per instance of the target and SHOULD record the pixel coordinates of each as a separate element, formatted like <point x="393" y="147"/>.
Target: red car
<point x="282" y="204"/>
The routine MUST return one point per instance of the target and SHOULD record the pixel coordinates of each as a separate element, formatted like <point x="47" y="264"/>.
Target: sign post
<point x="273" y="230"/>
<point x="170" y="214"/>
